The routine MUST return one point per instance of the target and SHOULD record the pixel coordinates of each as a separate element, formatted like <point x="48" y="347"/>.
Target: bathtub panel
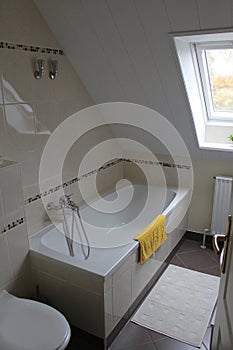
<point x="122" y="269"/>
<point x="49" y="266"/>
<point x="175" y="237"/>
<point x="82" y="307"/>
<point x="108" y="306"/>
<point x="86" y="280"/>
<point x="162" y="252"/>
<point x="177" y="234"/>
<point x="68" y="273"/>
<point x="142" y="274"/>
<point x="49" y="286"/>
<point x="22" y="286"/>
<point x="122" y="295"/>
<point x="50" y="289"/>
<point x="84" y="310"/>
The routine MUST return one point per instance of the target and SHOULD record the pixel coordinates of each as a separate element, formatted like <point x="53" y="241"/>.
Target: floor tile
<point x="214" y="270"/>
<point x="188" y="245"/>
<point x="155" y="336"/>
<point x="213" y="255"/>
<point x="149" y="346"/>
<point x="177" y="261"/>
<point x="172" y="344"/>
<point x="82" y="341"/>
<point x="197" y="260"/>
<point x="132" y="335"/>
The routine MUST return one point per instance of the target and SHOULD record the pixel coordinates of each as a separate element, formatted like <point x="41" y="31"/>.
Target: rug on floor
<point x="180" y="305"/>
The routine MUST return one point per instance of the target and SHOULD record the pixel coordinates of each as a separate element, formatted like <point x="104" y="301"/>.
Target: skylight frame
<point x="200" y="51"/>
<point x="211" y="134"/>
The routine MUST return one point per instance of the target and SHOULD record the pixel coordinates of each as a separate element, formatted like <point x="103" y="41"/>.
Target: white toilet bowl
<point x="29" y="325"/>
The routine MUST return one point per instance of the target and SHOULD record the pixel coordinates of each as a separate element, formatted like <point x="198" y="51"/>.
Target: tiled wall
<point x="14" y="267"/>
<point x="31" y="109"/>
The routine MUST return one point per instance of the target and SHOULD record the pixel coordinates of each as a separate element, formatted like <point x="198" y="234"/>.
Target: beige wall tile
<point x="36" y="217"/>
<point x="21" y="22"/>
<point x="17" y="75"/>
<point x="19" y="248"/>
<point x="11" y="193"/>
<point x="6" y="275"/>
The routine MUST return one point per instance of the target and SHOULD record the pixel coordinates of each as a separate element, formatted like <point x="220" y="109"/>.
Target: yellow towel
<point x="151" y="238"/>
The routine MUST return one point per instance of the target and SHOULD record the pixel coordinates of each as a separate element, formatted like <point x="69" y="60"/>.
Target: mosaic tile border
<point x="164" y="164"/>
<point x="20" y="221"/>
<point x="69" y="182"/>
<point x="95" y="171"/>
<point x="30" y="48"/>
<point x="12" y="225"/>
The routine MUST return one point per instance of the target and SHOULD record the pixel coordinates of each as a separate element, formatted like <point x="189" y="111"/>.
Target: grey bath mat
<point x="180" y="305"/>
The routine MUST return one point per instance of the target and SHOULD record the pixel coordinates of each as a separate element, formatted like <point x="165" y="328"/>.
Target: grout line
<point x="210" y="255"/>
<point x="205" y="270"/>
<point x="215" y="263"/>
<point x="177" y="256"/>
<point x="154" y="345"/>
<point x="189" y="251"/>
<point x="163" y="336"/>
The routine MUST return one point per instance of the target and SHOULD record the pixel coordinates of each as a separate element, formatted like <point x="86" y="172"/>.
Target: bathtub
<point x="111" y="236"/>
<point x="111" y="277"/>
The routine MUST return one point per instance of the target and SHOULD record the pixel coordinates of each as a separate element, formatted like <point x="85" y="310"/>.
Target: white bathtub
<point x="96" y="294"/>
<point x="111" y="236"/>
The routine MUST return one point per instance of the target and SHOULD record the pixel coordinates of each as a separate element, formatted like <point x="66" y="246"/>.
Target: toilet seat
<point x="30" y="325"/>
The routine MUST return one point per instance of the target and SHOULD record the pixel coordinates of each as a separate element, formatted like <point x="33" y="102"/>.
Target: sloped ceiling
<point x="123" y="50"/>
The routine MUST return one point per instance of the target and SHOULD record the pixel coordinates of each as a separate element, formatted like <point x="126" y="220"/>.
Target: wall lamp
<point x="39" y="73"/>
<point x="54" y="69"/>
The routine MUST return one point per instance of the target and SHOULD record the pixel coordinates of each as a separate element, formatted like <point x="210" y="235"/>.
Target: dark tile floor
<point x="135" y="337"/>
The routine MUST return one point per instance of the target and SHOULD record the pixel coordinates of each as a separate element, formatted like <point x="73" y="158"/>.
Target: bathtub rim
<point x="37" y="248"/>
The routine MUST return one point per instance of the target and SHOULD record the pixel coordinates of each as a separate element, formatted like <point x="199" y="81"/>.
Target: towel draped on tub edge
<point x="151" y="238"/>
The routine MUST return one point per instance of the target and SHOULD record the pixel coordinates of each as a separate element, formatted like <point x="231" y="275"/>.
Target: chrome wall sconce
<point x="39" y="73"/>
<point x="54" y="69"/>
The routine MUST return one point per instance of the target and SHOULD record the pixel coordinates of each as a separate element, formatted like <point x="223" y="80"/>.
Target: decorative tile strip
<point x="30" y="48"/>
<point x="164" y="164"/>
<point x="72" y="181"/>
<point x="106" y="166"/>
<point x="12" y="225"/>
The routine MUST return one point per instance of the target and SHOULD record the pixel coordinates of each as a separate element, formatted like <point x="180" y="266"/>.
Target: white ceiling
<point x="123" y="50"/>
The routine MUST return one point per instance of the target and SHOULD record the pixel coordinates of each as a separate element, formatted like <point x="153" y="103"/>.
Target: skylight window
<point x="216" y="71"/>
<point x="206" y="62"/>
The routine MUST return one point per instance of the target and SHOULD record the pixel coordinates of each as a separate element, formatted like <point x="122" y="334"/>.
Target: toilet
<point x="30" y="325"/>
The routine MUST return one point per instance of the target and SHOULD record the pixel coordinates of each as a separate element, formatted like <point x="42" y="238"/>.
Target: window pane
<point x="220" y="67"/>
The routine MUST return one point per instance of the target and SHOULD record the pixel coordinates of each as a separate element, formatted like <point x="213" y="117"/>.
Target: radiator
<point x="221" y="204"/>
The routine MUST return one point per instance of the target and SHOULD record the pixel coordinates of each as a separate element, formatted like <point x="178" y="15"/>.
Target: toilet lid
<point x="29" y="325"/>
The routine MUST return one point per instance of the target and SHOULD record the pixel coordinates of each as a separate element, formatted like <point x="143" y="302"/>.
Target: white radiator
<point x="221" y="204"/>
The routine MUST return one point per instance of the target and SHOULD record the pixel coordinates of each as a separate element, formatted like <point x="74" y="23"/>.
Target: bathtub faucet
<point x="64" y="202"/>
